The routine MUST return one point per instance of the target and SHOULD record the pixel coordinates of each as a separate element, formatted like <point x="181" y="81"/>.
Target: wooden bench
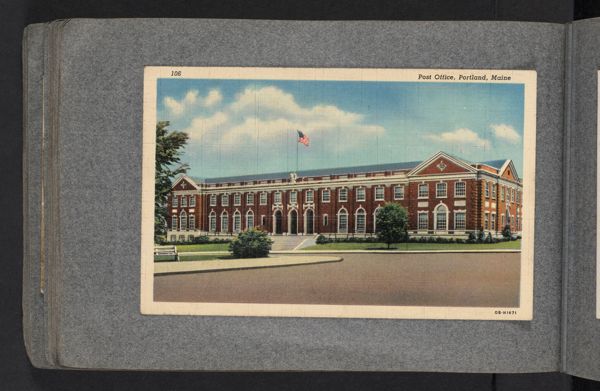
<point x="165" y="253"/>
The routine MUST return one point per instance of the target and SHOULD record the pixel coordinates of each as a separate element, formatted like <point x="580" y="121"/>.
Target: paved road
<point x="360" y="279"/>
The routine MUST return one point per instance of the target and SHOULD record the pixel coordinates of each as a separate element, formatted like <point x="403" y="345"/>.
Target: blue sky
<point x="241" y="127"/>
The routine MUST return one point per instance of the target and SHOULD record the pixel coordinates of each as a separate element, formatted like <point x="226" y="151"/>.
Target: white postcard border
<point x="150" y="307"/>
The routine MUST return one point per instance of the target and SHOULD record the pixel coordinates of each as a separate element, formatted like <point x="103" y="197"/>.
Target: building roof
<point x="497" y="164"/>
<point x="401" y="166"/>
<point x="313" y="173"/>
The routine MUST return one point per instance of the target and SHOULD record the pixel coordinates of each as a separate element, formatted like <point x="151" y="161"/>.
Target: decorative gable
<point x="184" y="183"/>
<point x="441" y="164"/>
<point x="509" y="172"/>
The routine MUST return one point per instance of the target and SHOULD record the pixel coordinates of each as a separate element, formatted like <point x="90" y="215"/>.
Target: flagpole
<point x="297" y="155"/>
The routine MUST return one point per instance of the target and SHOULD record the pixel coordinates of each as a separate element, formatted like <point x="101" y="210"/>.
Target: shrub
<point x="488" y="238"/>
<point x="251" y="244"/>
<point x="471" y="236"/>
<point x="321" y="239"/>
<point x="506" y="231"/>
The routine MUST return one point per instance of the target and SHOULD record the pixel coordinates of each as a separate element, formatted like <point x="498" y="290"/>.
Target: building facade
<point x="444" y="195"/>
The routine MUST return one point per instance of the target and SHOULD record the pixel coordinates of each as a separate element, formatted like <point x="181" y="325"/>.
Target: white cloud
<point x="213" y="98"/>
<point x="201" y="125"/>
<point x="191" y="98"/>
<point x="461" y="136"/>
<point x="267" y="114"/>
<point x="506" y="133"/>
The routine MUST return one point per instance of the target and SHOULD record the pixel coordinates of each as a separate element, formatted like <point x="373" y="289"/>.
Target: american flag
<point x="302" y="138"/>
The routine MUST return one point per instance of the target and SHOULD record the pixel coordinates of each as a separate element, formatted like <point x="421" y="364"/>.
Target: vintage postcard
<point x="320" y="192"/>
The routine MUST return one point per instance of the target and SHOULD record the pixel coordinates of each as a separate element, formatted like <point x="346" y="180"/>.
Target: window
<point x="174" y="223"/>
<point x="512" y="195"/>
<point x="375" y="218"/>
<point x="493" y="222"/>
<point x="192" y="200"/>
<point x="249" y="220"/>
<point x="342" y="221"/>
<point x="486" y="220"/>
<point x="293" y="197"/>
<point x="224" y="222"/>
<point x="360" y="194"/>
<point x="399" y="192"/>
<point x="173" y="238"/>
<point x="183" y="201"/>
<point x="517" y="220"/>
<point x="325" y="220"/>
<point x="441" y="218"/>
<point x="263" y="220"/>
<point x="277" y="198"/>
<point x="224" y="200"/>
<point x="423" y="221"/>
<point x="237" y="199"/>
<point x="212" y="221"/>
<point x="460" y="189"/>
<point x="503" y="222"/>
<point x="237" y="222"/>
<point x="310" y="196"/>
<point x="175" y="201"/>
<point x="183" y="221"/>
<point x="182" y="238"/>
<point x="441" y="190"/>
<point x="343" y="195"/>
<point x="493" y="191"/>
<point x="518" y="196"/>
<point x="325" y="195"/>
<point x="213" y="200"/>
<point x="250" y="199"/>
<point x="379" y="194"/>
<point x="487" y="190"/>
<point x="190" y="238"/>
<point x="424" y="191"/>
<point x="263" y="198"/>
<point x="192" y="222"/>
<point x="502" y="193"/>
<point x="459" y="221"/>
<point x="361" y="220"/>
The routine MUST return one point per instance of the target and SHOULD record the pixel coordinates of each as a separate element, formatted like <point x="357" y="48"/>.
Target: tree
<point x="392" y="224"/>
<point x="169" y="145"/>
<point x="253" y="243"/>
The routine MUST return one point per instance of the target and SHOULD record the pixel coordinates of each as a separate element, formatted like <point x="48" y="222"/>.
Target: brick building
<point x="444" y="195"/>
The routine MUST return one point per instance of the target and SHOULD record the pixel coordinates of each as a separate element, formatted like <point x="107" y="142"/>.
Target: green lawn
<point x="186" y="248"/>
<point x="512" y="245"/>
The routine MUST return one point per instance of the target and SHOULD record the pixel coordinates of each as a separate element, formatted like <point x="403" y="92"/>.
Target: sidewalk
<point x="234" y="264"/>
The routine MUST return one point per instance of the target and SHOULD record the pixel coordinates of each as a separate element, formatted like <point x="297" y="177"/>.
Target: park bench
<point x="165" y="253"/>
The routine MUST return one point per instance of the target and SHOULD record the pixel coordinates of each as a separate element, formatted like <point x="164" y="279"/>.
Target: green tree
<point x="253" y="243"/>
<point x="169" y="147"/>
<point x="392" y="224"/>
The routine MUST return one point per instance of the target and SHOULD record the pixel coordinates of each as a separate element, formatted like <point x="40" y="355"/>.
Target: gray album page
<point x="99" y="324"/>
<point x="582" y="331"/>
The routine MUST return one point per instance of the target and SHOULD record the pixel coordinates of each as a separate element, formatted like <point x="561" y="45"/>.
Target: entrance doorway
<point x="309" y="221"/>
<point x="277" y="222"/>
<point x="293" y="222"/>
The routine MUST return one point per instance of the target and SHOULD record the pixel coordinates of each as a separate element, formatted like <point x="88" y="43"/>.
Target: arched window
<point x="174" y="223"/>
<point x="342" y="218"/>
<point x="361" y="221"/>
<point x="224" y="222"/>
<point x="375" y="218"/>
<point x="441" y="218"/>
<point x="249" y="220"/>
<point x="237" y="221"/>
<point x="183" y="221"/>
<point x="192" y="222"/>
<point x="212" y="221"/>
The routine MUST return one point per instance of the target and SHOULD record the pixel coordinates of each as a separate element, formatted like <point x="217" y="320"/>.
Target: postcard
<point x="338" y="192"/>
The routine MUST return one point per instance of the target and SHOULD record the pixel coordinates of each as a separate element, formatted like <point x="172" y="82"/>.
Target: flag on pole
<point x="303" y="139"/>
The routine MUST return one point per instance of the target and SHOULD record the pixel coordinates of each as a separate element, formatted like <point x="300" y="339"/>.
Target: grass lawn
<point x="512" y="245"/>
<point x="194" y="257"/>
<point x="185" y="248"/>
